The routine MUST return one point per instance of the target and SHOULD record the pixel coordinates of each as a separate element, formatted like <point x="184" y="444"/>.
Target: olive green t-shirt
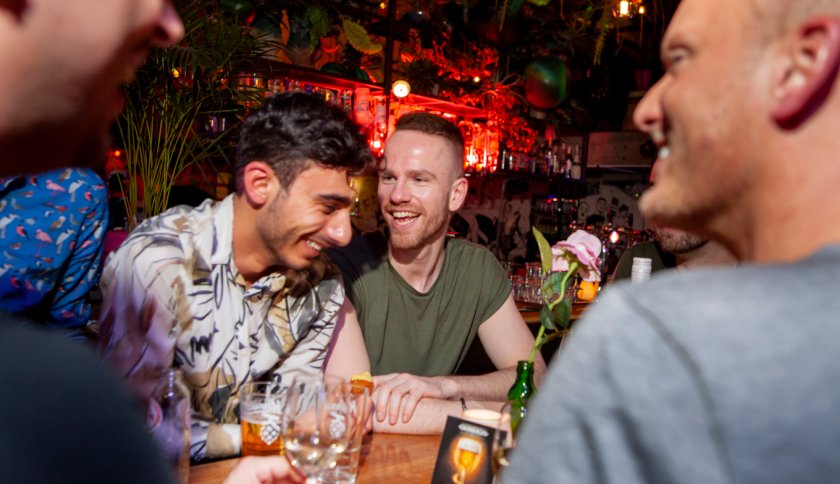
<point x="411" y="332"/>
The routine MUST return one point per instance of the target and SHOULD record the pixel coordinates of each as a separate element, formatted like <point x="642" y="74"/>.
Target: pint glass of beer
<point x="260" y="413"/>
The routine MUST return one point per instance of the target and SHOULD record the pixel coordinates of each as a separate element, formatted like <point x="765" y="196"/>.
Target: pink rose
<point x="584" y="247"/>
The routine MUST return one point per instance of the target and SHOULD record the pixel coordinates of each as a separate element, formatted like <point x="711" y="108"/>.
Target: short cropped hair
<point x="292" y="130"/>
<point x="436" y="126"/>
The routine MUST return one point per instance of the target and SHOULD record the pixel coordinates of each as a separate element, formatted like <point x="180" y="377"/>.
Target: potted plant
<point x="562" y="263"/>
<point x="186" y="102"/>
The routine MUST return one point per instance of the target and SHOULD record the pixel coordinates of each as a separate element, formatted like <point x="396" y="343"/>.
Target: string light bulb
<point x="401" y="89"/>
<point x="629" y="8"/>
<point x="624" y="8"/>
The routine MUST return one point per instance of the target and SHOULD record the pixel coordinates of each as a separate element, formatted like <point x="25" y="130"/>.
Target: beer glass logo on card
<point x="154" y="416"/>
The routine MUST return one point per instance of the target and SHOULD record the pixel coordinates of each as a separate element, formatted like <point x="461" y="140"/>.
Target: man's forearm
<point x="490" y="386"/>
<point x="430" y="416"/>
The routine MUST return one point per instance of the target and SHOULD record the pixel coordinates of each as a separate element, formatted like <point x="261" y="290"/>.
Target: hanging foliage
<point x="359" y="38"/>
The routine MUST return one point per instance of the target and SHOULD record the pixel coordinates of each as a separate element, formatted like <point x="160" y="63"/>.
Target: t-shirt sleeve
<point x="494" y="283"/>
<point x="621" y="403"/>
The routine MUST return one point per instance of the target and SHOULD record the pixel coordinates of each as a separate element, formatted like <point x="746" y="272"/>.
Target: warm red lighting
<point x="377" y="143"/>
<point x="176" y="73"/>
<point x="117" y="153"/>
<point x="383" y="5"/>
<point x="476" y="79"/>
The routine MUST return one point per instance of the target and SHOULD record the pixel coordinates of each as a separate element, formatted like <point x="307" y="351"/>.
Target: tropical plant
<point x="308" y="31"/>
<point x="179" y="91"/>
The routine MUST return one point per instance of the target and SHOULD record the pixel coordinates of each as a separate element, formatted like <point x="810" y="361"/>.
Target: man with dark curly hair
<point x="238" y="290"/>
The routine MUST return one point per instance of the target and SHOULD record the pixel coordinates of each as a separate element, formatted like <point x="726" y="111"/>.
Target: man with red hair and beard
<point x="421" y="297"/>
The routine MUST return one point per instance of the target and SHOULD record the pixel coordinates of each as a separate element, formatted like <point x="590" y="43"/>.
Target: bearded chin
<point x="405" y="241"/>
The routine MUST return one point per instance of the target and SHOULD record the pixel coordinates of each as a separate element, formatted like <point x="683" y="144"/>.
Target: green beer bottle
<point x="521" y="391"/>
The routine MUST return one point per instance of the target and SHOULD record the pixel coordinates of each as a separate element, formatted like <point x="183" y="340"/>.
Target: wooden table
<point x="385" y="458"/>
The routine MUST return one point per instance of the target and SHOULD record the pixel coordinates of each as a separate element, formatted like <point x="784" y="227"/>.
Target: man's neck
<point x="709" y="254"/>
<point x="250" y="256"/>
<point x="419" y="267"/>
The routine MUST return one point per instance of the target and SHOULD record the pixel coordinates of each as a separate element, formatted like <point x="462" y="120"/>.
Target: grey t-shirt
<point x="716" y="375"/>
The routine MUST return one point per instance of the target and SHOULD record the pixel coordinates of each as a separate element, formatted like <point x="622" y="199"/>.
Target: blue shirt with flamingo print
<point x="52" y="227"/>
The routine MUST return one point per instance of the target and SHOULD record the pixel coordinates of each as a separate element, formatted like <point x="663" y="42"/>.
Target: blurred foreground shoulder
<point x="66" y="417"/>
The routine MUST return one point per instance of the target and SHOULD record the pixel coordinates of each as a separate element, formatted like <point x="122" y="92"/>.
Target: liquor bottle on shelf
<point x="568" y="162"/>
<point x="577" y="166"/>
<point x="502" y="163"/>
<point x="552" y="165"/>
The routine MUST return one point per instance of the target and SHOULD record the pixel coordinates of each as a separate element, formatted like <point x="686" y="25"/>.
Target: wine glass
<point x="317" y="424"/>
<point x="503" y="443"/>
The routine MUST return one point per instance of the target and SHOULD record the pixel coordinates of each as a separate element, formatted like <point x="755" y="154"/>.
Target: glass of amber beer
<point x="260" y="413"/>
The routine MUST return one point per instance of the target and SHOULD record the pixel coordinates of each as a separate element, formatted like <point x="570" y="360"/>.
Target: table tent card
<point x="465" y="453"/>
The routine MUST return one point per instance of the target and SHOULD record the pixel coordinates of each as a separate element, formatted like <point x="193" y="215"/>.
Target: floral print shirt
<point x="52" y="228"/>
<point x="173" y="296"/>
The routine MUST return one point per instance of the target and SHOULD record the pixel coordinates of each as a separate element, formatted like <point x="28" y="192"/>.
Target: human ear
<point x="810" y="71"/>
<point x="458" y="194"/>
<point x="258" y="183"/>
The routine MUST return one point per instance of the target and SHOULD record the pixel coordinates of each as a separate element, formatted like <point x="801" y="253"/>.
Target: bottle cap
<point x="641" y="269"/>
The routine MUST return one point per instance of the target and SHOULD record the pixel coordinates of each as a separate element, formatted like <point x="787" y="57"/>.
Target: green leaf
<point x="552" y="287"/>
<point x="539" y="3"/>
<point x="562" y="313"/>
<point x="514" y="6"/>
<point x="319" y="25"/>
<point x="556" y="317"/>
<point x="545" y="250"/>
<point x="359" y="38"/>
<point x="546" y="319"/>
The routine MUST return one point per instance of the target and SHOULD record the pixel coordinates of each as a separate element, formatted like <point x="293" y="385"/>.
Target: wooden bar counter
<point x="531" y="312"/>
<point x="385" y="458"/>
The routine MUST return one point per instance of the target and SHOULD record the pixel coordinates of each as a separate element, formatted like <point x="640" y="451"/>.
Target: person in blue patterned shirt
<point x="52" y="227"/>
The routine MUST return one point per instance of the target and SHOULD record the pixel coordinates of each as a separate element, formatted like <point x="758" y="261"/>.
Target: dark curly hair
<point x="292" y="130"/>
<point x="436" y="126"/>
